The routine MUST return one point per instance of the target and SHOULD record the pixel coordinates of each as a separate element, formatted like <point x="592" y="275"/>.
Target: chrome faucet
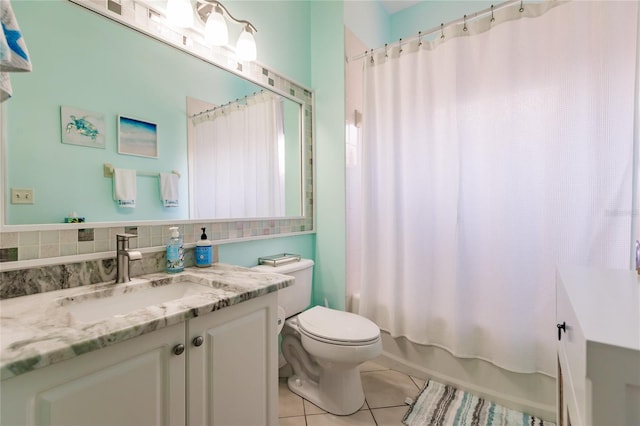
<point x="124" y="256"/>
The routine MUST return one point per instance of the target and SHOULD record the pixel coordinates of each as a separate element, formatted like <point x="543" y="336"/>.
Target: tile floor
<point x="385" y="391"/>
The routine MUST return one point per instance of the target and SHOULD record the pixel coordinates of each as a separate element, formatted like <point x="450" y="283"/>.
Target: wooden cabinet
<point x="598" y="320"/>
<point x="228" y="379"/>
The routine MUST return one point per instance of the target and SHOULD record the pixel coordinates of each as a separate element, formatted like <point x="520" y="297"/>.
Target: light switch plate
<point x="22" y="196"/>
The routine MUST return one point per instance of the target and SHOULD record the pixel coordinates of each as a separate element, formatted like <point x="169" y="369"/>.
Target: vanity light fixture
<point x="179" y="13"/>
<point x="214" y="15"/>
<point x="215" y="30"/>
<point x="246" y="46"/>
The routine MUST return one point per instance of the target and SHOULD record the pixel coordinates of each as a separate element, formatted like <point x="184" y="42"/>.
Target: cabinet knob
<point x="178" y="349"/>
<point x="197" y="341"/>
<point x="561" y="327"/>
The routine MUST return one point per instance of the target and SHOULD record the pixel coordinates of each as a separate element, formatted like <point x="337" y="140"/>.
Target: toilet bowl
<point x="325" y="357"/>
<point x="323" y="346"/>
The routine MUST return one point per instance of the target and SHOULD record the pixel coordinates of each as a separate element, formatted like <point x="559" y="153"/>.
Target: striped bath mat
<point x="443" y="405"/>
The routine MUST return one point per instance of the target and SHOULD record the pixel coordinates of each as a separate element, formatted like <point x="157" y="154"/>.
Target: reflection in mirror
<point x="114" y="70"/>
<point x="245" y="157"/>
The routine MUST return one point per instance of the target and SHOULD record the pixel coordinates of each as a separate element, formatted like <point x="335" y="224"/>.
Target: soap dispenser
<point x="175" y="252"/>
<point x="204" y="251"/>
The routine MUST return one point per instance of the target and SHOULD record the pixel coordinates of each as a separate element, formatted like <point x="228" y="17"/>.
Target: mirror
<point x="112" y="71"/>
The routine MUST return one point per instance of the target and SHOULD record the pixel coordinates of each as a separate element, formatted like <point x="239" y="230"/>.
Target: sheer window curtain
<point x="487" y="161"/>
<point x="237" y="161"/>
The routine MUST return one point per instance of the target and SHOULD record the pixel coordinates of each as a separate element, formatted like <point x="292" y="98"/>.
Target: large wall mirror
<point x="102" y="69"/>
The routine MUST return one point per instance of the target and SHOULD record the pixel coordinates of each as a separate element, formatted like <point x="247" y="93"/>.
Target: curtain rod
<point x="246" y="97"/>
<point x="440" y="28"/>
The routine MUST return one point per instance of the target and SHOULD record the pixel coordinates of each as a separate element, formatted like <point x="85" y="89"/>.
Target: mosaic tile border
<point x="61" y="243"/>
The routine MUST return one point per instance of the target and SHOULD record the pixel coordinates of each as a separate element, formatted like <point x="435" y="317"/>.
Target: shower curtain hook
<point x="386" y="55"/>
<point x="400" y="44"/>
<point x="441" y="31"/>
<point x="521" y="7"/>
<point x="493" y="19"/>
<point x="419" y="38"/>
<point x="465" y="23"/>
<point x="372" y="61"/>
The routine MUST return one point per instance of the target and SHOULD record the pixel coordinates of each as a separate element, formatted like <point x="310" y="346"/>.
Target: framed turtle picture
<point x="80" y="127"/>
<point x="137" y="137"/>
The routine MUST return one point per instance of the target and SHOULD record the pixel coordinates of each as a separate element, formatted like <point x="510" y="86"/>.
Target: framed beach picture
<point x="80" y="127"/>
<point x="137" y="137"/>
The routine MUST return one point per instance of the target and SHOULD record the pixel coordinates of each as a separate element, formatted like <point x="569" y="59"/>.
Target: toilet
<point x="323" y="346"/>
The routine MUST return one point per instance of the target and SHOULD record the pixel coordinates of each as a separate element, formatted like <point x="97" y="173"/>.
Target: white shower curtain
<point x="237" y="158"/>
<point x="488" y="160"/>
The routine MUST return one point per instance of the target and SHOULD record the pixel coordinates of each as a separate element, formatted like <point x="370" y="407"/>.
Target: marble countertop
<point x="39" y="330"/>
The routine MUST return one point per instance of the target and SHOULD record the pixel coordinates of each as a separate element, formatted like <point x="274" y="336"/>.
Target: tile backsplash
<point x="62" y="266"/>
<point x="31" y="245"/>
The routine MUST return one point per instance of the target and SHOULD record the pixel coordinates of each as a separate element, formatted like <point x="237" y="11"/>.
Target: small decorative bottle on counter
<point x="204" y="252"/>
<point x="175" y="252"/>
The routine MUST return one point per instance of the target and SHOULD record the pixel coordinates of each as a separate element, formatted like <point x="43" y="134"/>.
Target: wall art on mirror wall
<point x="137" y="137"/>
<point x="80" y="127"/>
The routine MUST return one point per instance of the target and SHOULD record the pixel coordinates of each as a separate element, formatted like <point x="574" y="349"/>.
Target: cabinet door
<point x="232" y="375"/>
<point x="571" y="349"/>
<point x="136" y="382"/>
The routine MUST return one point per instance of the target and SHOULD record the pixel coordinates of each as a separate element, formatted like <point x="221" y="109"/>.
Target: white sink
<point x="124" y="299"/>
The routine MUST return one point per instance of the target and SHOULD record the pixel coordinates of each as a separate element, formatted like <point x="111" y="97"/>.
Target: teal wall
<point x="283" y="34"/>
<point x="368" y="21"/>
<point x="328" y="81"/>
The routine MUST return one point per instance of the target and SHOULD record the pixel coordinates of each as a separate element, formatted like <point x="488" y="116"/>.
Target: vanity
<point x="598" y="347"/>
<point x="194" y="348"/>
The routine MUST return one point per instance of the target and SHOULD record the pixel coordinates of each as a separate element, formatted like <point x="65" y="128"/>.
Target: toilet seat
<point x="337" y="327"/>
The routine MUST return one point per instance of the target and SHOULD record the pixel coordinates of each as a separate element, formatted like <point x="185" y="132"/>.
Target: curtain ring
<point x="419" y="38"/>
<point x="465" y="24"/>
<point x="386" y="55"/>
<point x="442" y="31"/>
<point x="521" y="7"/>
<point x="400" y="44"/>
<point x="493" y="19"/>
<point x="372" y="61"/>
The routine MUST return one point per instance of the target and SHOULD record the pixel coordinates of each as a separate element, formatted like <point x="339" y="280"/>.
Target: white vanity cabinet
<point x="233" y="374"/>
<point x="166" y="377"/>
<point x="136" y="382"/>
<point x="598" y="347"/>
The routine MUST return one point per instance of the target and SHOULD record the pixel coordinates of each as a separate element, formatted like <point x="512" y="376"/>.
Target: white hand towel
<point x="13" y="50"/>
<point x="169" y="189"/>
<point x="124" y="187"/>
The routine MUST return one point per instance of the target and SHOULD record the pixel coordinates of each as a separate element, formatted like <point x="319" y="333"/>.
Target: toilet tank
<point x="297" y="297"/>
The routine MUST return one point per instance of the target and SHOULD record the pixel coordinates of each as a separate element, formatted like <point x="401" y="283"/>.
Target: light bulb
<point x="246" y="46"/>
<point x="180" y="13"/>
<point x="215" y="30"/>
